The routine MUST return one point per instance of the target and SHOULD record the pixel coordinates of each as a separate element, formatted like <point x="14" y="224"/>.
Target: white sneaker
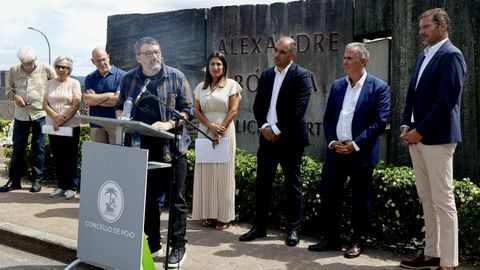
<point x="69" y="194"/>
<point x="157" y="253"/>
<point x="57" y="193"/>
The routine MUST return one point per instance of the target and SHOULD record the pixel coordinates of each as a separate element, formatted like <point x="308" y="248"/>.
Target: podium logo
<point x="110" y="201"/>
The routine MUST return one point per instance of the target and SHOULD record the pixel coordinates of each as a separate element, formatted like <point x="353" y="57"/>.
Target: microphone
<point x="177" y="114"/>
<point x="142" y="91"/>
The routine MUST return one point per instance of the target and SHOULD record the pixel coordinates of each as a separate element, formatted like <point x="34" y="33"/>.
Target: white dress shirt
<point x="429" y="52"/>
<point x="344" y="124"/>
<point x="272" y="110"/>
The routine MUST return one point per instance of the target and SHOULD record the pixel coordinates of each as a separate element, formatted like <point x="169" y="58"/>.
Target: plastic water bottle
<point x="127" y="109"/>
<point x="135" y="141"/>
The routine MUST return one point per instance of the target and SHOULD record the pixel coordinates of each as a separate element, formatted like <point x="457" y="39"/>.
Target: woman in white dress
<point x="216" y="106"/>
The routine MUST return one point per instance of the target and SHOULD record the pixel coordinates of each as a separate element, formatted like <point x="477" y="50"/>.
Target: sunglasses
<point x="61" y="67"/>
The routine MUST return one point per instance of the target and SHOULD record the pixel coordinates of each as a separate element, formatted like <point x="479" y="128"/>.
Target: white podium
<point x="126" y="126"/>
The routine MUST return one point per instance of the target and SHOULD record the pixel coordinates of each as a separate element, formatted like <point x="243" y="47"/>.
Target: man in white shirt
<point x="25" y="86"/>
<point x="431" y="129"/>
<point x="357" y="113"/>
<point x="282" y="98"/>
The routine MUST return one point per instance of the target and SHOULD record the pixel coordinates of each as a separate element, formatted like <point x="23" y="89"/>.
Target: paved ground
<point x="48" y="227"/>
<point x="14" y="259"/>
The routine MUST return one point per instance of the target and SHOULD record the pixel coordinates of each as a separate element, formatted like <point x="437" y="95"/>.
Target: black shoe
<point x="353" y="251"/>
<point x="36" y="187"/>
<point x="292" y="238"/>
<point x="176" y="257"/>
<point x="420" y="262"/>
<point x="326" y="246"/>
<point x="254" y="233"/>
<point x="10" y="186"/>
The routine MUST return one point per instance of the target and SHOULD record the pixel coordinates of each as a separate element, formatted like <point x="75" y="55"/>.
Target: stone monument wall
<point x="246" y="34"/>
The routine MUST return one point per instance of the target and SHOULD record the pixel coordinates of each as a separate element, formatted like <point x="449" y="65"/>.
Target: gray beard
<point x="156" y="67"/>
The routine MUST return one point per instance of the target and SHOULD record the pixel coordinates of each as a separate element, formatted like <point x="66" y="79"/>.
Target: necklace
<point x="213" y="86"/>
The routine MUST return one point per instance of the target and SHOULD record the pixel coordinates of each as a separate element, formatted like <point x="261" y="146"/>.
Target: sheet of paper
<point x="62" y="131"/>
<point x="205" y="153"/>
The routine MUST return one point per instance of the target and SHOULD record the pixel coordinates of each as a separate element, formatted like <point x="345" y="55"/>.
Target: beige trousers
<point x="102" y="135"/>
<point x="433" y="165"/>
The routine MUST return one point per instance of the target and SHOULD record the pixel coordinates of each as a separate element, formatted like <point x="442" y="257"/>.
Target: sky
<point x="75" y="27"/>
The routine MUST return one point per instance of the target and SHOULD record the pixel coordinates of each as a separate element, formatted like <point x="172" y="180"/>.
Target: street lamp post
<point x="48" y="43"/>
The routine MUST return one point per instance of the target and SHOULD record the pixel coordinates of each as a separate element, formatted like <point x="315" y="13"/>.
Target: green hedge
<point x="49" y="170"/>
<point x="398" y="218"/>
<point x="4" y="123"/>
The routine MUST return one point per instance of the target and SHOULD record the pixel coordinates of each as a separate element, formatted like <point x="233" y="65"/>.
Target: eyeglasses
<point x="150" y="53"/>
<point x="61" y="67"/>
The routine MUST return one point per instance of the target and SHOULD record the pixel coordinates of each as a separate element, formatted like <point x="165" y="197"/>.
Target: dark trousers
<point x="158" y="184"/>
<point x="269" y="155"/>
<point x="336" y="170"/>
<point x="65" y="153"/>
<point x="21" y="132"/>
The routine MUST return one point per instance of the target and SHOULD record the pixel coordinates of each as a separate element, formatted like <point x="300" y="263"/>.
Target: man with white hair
<point x="25" y="86"/>
<point x="357" y="113"/>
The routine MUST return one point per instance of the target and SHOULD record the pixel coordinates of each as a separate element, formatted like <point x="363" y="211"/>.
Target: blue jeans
<point x="21" y="131"/>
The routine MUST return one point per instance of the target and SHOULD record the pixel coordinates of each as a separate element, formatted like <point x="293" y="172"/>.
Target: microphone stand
<point x="173" y="182"/>
<point x="179" y="117"/>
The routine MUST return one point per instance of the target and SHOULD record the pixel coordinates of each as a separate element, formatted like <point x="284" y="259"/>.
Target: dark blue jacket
<point x="371" y="116"/>
<point x="436" y="101"/>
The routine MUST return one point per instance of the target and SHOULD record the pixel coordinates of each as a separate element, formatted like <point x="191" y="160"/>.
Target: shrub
<point x="467" y="198"/>
<point x="245" y="196"/>
<point x="398" y="215"/>
<point x="4" y="123"/>
<point x="49" y="164"/>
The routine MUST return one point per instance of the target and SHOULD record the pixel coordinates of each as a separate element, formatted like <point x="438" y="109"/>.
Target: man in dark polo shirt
<point x="101" y="92"/>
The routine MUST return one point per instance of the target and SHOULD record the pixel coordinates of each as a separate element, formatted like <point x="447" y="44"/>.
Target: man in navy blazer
<point x="357" y="113"/>
<point x="282" y="98"/>
<point x="431" y="129"/>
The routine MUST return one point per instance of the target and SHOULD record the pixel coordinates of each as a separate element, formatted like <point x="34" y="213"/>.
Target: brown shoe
<point x="209" y="222"/>
<point x="353" y="251"/>
<point x="222" y="226"/>
<point x="421" y="263"/>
